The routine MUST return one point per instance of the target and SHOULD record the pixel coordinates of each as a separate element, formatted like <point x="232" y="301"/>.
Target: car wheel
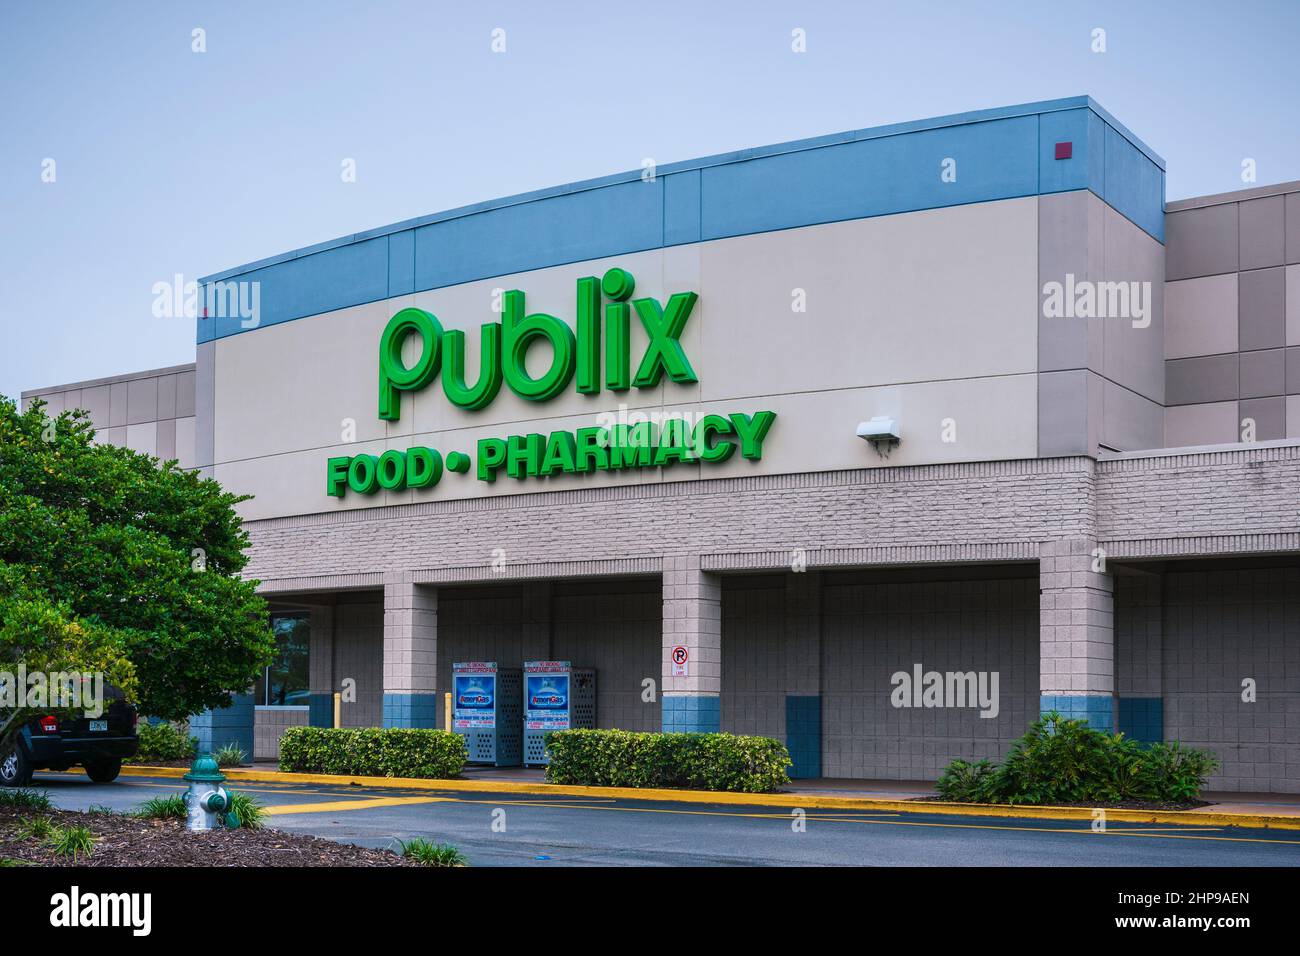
<point x="15" y="771"/>
<point x="104" y="771"/>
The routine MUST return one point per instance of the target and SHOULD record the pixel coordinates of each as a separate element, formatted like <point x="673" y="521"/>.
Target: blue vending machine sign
<point x="546" y="695"/>
<point x="474" y="705"/>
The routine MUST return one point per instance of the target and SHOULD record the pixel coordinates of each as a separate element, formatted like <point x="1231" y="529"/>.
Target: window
<point x="285" y="682"/>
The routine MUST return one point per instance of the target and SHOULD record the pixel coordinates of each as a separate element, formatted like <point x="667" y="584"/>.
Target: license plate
<point x="98" y="725"/>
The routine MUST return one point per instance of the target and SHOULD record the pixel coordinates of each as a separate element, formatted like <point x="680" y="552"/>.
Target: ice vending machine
<point x="557" y="696"/>
<point x="485" y="711"/>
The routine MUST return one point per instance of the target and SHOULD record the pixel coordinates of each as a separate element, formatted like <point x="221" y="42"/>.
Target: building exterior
<point x="617" y="422"/>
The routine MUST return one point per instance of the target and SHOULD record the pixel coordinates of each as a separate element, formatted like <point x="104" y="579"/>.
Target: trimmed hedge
<point x="622" y="758"/>
<point x="1061" y="760"/>
<point x="371" y="752"/>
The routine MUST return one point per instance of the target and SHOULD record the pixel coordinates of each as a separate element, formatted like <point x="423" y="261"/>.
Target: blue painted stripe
<point x="411" y="710"/>
<point x="683" y="714"/>
<point x="1097" y="709"/>
<point x="1004" y="153"/>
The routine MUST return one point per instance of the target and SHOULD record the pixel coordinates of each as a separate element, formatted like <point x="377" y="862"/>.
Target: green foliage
<point x="964" y="782"/>
<point x="163" y="808"/>
<point x="248" y="810"/>
<point x="231" y="755"/>
<point x="432" y="854"/>
<point x="100" y="810"/>
<point x="35" y="828"/>
<point x="622" y="758"/>
<point x="111" y="556"/>
<point x="393" y="752"/>
<point x="75" y="842"/>
<point x="1063" y="761"/>
<point x="22" y="798"/>
<point x="164" y="741"/>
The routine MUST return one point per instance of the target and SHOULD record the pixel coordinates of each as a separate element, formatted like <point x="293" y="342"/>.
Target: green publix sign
<point x="574" y="358"/>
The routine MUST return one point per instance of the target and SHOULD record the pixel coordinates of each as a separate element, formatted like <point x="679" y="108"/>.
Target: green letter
<point x="423" y="467"/>
<point x="752" y="431"/>
<point x="489" y="367"/>
<point x="393" y="375"/>
<point x="391" y="469"/>
<point x="710" y="452"/>
<point x="591" y="454"/>
<point x="491" y="456"/>
<point x="524" y="454"/>
<point x="518" y="333"/>
<point x="665" y="352"/>
<point x="559" y="454"/>
<point x="336" y="476"/>
<point x="363" y="475"/>
<point x="588" y="335"/>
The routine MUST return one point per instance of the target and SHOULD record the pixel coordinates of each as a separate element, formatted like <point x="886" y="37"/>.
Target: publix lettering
<point x="597" y="356"/>
<point x="505" y="344"/>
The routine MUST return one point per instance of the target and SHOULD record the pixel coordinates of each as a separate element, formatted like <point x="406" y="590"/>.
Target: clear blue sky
<point x="170" y="161"/>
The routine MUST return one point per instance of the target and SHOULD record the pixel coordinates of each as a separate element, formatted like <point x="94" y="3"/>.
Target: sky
<point x="170" y="161"/>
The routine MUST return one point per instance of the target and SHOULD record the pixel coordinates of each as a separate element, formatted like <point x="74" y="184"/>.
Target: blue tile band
<point x="1142" y="718"/>
<point x="320" y="710"/>
<point x="803" y="736"/>
<point x="1097" y="709"/>
<point x="411" y="710"/>
<point x="1006" y="153"/>
<point x="227" y="725"/>
<point x="692" y="714"/>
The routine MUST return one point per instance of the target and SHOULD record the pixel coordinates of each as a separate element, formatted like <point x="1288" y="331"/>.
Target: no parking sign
<point x="681" y="660"/>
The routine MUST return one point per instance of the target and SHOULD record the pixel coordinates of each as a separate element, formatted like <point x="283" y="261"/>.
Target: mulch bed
<point x="1122" y="805"/>
<point x="123" y="840"/>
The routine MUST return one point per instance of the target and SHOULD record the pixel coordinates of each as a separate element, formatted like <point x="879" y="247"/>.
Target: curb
<point x="792" y="800"/>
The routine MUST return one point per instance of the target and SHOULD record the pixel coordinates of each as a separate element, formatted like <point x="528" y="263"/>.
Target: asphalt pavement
<point x="496" y="829"/>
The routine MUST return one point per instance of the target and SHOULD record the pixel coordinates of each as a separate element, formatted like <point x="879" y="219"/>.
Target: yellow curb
<point x="1196" y="818"/>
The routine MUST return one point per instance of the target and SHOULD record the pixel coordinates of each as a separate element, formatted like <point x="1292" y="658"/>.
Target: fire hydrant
<point x="206" y="800"/>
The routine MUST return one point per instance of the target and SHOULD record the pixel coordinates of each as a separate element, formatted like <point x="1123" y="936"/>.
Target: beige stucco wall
<point x="924" y="316"/>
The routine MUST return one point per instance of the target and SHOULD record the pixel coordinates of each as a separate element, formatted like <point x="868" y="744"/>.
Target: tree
<point x="101" y="545"/>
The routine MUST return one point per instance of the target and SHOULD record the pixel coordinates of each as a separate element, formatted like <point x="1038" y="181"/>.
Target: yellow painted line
<point x="1194" y="818"/>
<point x="331" y="806"/>
<point x="1081" y="831"/>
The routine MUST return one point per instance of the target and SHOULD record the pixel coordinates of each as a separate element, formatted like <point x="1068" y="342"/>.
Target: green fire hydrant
<point x="206" y="800"/>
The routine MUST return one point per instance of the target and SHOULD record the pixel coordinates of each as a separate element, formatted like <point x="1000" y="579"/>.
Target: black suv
<point x="98" y="744"/>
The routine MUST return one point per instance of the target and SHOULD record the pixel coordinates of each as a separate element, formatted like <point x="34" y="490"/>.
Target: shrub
<point x="247" y="810"/>
<point x="964" y="782"/>
<point x="72" y="841"/>
<point x="621" y="758"/>
<point x="393" y="752"/>
<point x="231" y="755"/>
<point x="1061" y="760"/>
<point x="164" y="808"/>
<point x="432" y="854"/>
<point x="21" y="798"/>
<point x="164" y="742"/>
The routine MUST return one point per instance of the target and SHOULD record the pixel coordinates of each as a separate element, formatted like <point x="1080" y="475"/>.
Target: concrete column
<point x="803" y="655"/>
<point x="693" y="619"/>
<point x="1076" y="640"/>
<point x="320" y="665"/>
<point x="410" y="654"/>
